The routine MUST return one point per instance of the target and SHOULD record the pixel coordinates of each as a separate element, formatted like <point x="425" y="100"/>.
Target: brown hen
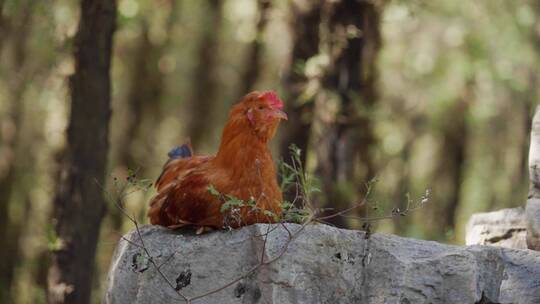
<point x="243" y="169"/>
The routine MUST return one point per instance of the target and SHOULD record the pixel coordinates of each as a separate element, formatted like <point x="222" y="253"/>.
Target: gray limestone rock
<point x="322" y="265"/>
<point x="505" y="228"/>
<point x="533" y="204"/>
<point x="533" y="223"/>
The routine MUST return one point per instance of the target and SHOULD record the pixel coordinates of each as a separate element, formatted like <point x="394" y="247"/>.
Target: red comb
<point x="272" y="99"/>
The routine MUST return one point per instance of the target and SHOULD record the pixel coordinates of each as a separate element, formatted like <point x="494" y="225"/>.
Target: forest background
<point x="431" y="95"/>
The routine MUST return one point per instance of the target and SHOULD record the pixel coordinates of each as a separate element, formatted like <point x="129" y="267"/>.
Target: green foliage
<point x="295" y="178"/>
<point x="212" y="190"/>
<point x="294" y="175"/>
<point x="232" y="205"/>
<point x="230" y="202"/>
<point x="293" y="214"/>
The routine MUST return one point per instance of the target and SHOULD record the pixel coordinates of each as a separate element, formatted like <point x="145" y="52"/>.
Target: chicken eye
<point x="261" y="107"/>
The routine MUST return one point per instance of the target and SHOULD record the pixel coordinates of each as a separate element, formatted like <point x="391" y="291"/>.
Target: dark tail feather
<point x="178" y="152"/>
<point x="183" y="151"/>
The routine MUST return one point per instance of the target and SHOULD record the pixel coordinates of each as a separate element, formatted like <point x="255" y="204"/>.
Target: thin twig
<point x="131" y="242"/>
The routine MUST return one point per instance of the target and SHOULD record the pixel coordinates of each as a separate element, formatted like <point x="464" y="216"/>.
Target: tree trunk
<point x="399" y="196"/>
<point x="2" y="25"/>
<point x="304" y="26"/>
<point x="7" y="183"/>
<point x="9" y="230"/>
<point x="143" y="97"/>
<point x="412" y="127"/>
<point x="344" y="108"/>
<point x="253" y="62"/>
<point x="450" y="172"/>
<point x="146" y="87"/>
<point x="205" y="84"/>
<point x="453" y="164"/>
<point x="78" y="204"/>
<point x="526" y="101"/>
<point x="143" y="101"/>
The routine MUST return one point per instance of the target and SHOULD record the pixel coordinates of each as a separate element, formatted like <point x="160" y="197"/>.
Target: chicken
<point x="192" y="189"/>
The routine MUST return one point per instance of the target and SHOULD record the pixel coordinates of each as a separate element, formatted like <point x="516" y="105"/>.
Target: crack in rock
<point x="507" y="235"/>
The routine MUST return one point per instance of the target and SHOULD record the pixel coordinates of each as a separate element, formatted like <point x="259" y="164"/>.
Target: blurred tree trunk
<point x="2" y="24"/>
<point x="452" y="167"/>
<point x="78" y="204"/>
<point x="143" y="97"/>
<point x="535" y="33"/>
<point x="525" y="106"/>
<point x="143" y="101"/>
<point x="146" y="87"/>
<point x="7" y="182"/>
<point x="304" y="26"/>
<point x="450" y="172"/>
<point x="10" y="140"/>
<point x="253" y="61"/>
<point x="402" y="189"/>
<point x="352" y="43"/>
<point x="414" y="126"/>
<point x="203" y="102"/>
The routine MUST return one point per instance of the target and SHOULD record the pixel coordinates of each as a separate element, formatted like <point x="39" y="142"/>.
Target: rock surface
<point x="505" y="228"/>
<point x="534" y="156"/>
<point x="322" y="265"/>
<point x="533" y="223"/>
<point x="533" y="203"/>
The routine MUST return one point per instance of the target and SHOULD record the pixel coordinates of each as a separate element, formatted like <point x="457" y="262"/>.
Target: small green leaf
<point x="224" y="207"/>
<point x="286" y="205"/>
<point x="212" y="190"/>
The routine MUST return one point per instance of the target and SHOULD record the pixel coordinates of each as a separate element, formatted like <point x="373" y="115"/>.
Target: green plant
<point x="232" y="206"/>
<point x="295" y="178"/>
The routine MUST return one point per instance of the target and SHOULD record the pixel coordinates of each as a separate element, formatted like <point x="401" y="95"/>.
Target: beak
<point x="279" y="114"/>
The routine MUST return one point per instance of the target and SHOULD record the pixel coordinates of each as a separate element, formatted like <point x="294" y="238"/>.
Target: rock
<point x="505" y="228"/>
<point x="533" y="223"/>
<point x="321" y="265"/>
<point x="533" y="203"/>
<point x="534" y="156"/>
